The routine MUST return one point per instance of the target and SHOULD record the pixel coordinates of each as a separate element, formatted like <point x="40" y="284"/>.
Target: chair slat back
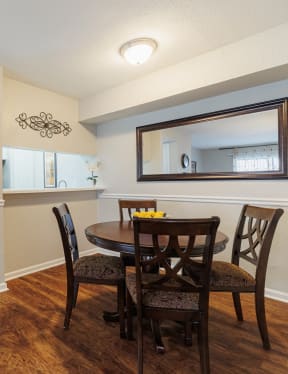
<point x="175" y="238"/>
<point x="254" y="234"/>
<point x="68" y="234"/>
<point x="132" y="206"/>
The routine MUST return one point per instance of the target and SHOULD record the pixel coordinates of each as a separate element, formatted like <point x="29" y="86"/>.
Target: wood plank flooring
<point x="34" y="342"/>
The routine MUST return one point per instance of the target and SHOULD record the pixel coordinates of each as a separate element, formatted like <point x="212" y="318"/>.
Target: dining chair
<point x="252" y="243"/>
<point x="132" y="206"/>
<point x="97" y="269"/>
<point x="126" y="209"/>
<point x="170" y="295"/>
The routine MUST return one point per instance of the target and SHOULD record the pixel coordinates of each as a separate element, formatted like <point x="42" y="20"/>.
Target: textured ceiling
<point x="71" y="46"/>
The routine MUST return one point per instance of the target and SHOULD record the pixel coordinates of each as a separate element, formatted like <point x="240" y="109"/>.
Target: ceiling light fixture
<point x="138" y="51"/>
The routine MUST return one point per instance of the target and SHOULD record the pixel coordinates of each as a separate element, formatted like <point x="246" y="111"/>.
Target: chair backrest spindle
<point x="135" y="206"/>
<point x="254" y="234"/>
<point x="68" y="236"/>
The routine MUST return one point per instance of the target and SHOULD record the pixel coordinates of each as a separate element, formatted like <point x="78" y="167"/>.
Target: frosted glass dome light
<point x="138" y="51"/>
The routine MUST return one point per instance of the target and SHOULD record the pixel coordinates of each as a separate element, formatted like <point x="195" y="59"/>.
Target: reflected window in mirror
<point x="258" y="158"/>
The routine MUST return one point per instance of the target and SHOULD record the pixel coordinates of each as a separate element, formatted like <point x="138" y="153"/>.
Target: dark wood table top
<point x="119" y="237"/>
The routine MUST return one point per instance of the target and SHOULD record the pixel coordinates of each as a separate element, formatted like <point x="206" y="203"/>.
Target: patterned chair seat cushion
<point x="162" y="299"/>
<point x="98" y="267"/>
<point x="227" y="276"/>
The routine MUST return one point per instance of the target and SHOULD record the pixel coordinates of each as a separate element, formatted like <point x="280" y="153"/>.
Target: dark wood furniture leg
<point x="159" y="345"/>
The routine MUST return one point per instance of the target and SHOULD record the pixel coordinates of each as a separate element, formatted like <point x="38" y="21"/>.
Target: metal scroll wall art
<point x="44" y="123"/>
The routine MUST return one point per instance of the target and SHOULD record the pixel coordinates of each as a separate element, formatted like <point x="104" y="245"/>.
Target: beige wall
<point x="2" y="284"/>
<point x="20" y="97"/>
<point x="1" y="121"/>
<point x="31" y="232"/>
<point x="195" y="198"/>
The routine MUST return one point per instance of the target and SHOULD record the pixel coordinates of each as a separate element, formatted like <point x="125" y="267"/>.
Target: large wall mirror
<point x="248" y="142"/>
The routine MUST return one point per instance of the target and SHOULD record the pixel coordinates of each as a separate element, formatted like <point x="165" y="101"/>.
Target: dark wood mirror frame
<point x="281" y="107"/>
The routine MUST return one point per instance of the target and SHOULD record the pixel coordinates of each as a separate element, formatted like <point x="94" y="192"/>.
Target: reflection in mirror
<point x="246" y="142"/>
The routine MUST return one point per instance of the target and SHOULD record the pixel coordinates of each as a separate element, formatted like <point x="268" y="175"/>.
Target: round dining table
<point x="118" y="236"/>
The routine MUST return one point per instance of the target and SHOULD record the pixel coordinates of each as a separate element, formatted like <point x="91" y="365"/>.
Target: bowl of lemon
<point x="149" y="214"/>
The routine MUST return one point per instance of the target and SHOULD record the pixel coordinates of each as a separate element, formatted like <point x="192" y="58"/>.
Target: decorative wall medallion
<point x="44" y="123"/>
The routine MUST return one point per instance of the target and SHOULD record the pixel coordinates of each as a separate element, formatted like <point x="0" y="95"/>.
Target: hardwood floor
<point x="33" y="340"/>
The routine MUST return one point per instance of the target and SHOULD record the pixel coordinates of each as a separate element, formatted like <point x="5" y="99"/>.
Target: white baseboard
<point x="276" y="295"/>
<point x="3" y="287"/>
<point x="272" y="294"/>
<point x="33" y="269"/>
<point x="43" y="266"/>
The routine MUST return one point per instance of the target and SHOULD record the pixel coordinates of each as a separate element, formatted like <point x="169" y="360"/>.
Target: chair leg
<point x="155" y="326"/>
<point x="139" y="343"/>
<point x="237" y="305"/>
<point x="121" y="307"/>
<point x="129" y="306"/>
<point x="261" y="319"/>
<point x="76" y="287"/>
<point x="188" y="333"/>
<point x="69" y="306"/>
<point x="203" y="345"/>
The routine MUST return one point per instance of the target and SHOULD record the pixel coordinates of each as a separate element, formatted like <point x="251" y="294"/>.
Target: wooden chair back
<point x="170" y="278"/>
<point x="254" y="235"/>
<point x="135" y="206"/>
<point x="68" y="236"/>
